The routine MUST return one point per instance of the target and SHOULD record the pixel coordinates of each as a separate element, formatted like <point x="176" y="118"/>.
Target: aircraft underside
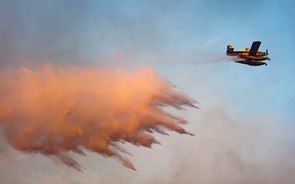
<point x="251" y="62"/>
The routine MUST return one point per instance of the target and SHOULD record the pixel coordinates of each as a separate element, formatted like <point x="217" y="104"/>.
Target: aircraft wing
<point x="254" y="48"/>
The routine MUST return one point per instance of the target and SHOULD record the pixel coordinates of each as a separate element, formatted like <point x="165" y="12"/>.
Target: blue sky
<point x="152" y="33"/>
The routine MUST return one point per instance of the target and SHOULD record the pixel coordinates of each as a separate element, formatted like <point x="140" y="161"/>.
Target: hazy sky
<point x="245" y="125"/>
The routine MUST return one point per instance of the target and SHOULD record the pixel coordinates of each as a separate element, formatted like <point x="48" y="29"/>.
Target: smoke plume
<point x="58" y="112"/>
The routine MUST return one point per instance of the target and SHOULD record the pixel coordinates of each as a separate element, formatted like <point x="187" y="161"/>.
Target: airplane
<point x="251" y="57"/>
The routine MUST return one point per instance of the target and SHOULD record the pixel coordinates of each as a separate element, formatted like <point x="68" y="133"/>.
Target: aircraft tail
<point x="229" y="48"/>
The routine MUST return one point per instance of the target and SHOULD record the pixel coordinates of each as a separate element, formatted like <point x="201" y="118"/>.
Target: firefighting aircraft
<point x="251" y="57"/>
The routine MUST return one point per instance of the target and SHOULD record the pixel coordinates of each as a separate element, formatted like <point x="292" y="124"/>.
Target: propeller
<point x="266" y="53"/>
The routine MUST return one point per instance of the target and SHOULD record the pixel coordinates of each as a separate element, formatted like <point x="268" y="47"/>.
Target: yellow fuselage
<point x="244" y="52"/>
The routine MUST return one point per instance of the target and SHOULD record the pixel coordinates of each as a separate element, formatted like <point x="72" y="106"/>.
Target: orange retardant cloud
<point x="54" y="111"/>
